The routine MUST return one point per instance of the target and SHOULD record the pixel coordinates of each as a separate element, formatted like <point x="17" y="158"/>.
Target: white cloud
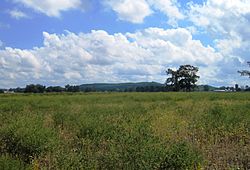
<point x="18" y="66"/>
<point x="224" y="17"/>
<point x="16" y="14"/>
<point x="130" y="10"/>
<point x="72" y="75"/>
<point x="169" y="8"/>
<point x="18" y="56"/>
<point x="1" y="43"/>
<point x="228" y="23"/>
<point x="175" y="46"/>
<point x="101" y="57"/>
<point x="136" y="11"/>
<point x="52" y="8"/>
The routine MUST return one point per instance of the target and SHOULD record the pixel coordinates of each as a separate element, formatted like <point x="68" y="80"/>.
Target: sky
<point x="58" y="42"/>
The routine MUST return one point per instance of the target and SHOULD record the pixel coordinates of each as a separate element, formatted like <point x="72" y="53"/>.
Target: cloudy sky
<point x="56" y="42"/>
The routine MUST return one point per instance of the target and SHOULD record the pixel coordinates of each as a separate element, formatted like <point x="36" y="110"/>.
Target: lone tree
<point x="245" y="72"/>
<point x="182" y="79"/>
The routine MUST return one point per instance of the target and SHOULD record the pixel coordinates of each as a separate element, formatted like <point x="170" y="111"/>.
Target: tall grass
<point x="125" y="131"/>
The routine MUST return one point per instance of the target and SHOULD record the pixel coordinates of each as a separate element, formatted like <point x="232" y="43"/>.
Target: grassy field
<point x="125" y="131"/>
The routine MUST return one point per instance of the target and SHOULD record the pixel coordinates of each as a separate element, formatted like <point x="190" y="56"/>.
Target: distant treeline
<point x="123" y="87"/>
<point x="38" y="88"/>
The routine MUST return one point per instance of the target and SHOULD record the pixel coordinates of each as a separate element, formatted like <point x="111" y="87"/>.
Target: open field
<point x="125" y="131"/>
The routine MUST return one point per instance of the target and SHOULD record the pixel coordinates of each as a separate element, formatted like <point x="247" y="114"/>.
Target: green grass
<point x="125" y="131"/>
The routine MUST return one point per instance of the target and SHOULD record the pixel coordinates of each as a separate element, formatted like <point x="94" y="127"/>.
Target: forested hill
<point x="119" y="86"/>
<point x="141" y="86"/>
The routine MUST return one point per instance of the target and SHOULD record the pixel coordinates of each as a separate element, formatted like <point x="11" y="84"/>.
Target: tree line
<point x="38" y="88"/>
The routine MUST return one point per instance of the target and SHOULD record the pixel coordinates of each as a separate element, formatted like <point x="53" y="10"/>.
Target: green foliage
<point x="54" y="89"/>
<point x="26" y="138"/>
<point x="9" y="163"/>
<point x="32" y="88"/>
<point x="121" y="87"/>
<point x="70" y="88"/>
<point x="181" y="157"/>
<point x="182" y="79"/>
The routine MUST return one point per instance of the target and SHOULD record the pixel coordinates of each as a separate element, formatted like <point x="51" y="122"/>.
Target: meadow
<point x="125" y="131"/>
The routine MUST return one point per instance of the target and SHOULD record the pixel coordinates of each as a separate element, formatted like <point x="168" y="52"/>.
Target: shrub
<point x="181" y="157"/>
<point x="27" y="138"/>
<point x="9" y="163"/>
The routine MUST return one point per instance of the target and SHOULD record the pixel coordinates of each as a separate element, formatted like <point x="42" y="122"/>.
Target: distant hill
<point x="118" y="86"/>
<point x="206" y="88"/>
<point x="132" y="86"/>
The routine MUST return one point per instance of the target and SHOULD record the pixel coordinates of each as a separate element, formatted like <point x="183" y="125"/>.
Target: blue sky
<point x="56" y="42"/>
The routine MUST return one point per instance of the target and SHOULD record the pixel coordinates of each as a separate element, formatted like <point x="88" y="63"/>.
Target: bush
<point x="181" y="157"/>
<point x="27" y="138"/>
<point x="8" y="163"/>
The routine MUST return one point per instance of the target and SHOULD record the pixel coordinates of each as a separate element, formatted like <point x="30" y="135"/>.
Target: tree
<point x="69" y="88"/>
<point x="54" y="89"/>
<point x="245" y="72"/>
<point x="32" y="88"/>
<point x="173" y="82"/>
<point x="237" y="87"/>
<point x="184" y="78"/>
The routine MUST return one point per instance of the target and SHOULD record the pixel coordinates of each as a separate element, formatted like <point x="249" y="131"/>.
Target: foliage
<point x="32" y="88"/>
<point x="69" y="88"/>
<point x="180" y="156"/>
<point x="26" y="138"/>
<point x="8" y="163"/>
<point x="183" y="79"/>
<point x="55" y="89"/>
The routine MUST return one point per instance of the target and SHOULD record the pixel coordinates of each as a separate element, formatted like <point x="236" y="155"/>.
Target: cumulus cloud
<point x="169" y="8"/>
<point x="17" y="14"/>
<point x="224" y="17"/>
<point x="228" y="23"/>
<point x="175" y="46"/>
<point x="18" y="65"/>
<point x="101" y="57"/>
<point x="136" y="11"/>
<point x="52" y="8"/>
<point x="130" y="10"/>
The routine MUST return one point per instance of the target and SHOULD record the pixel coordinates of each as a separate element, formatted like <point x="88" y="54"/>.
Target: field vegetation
<point x="125" y="131"/>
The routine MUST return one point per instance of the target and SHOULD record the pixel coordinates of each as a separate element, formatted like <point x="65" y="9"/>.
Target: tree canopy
<point x="32" y="88"/>
<point x="184" y="78"/>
